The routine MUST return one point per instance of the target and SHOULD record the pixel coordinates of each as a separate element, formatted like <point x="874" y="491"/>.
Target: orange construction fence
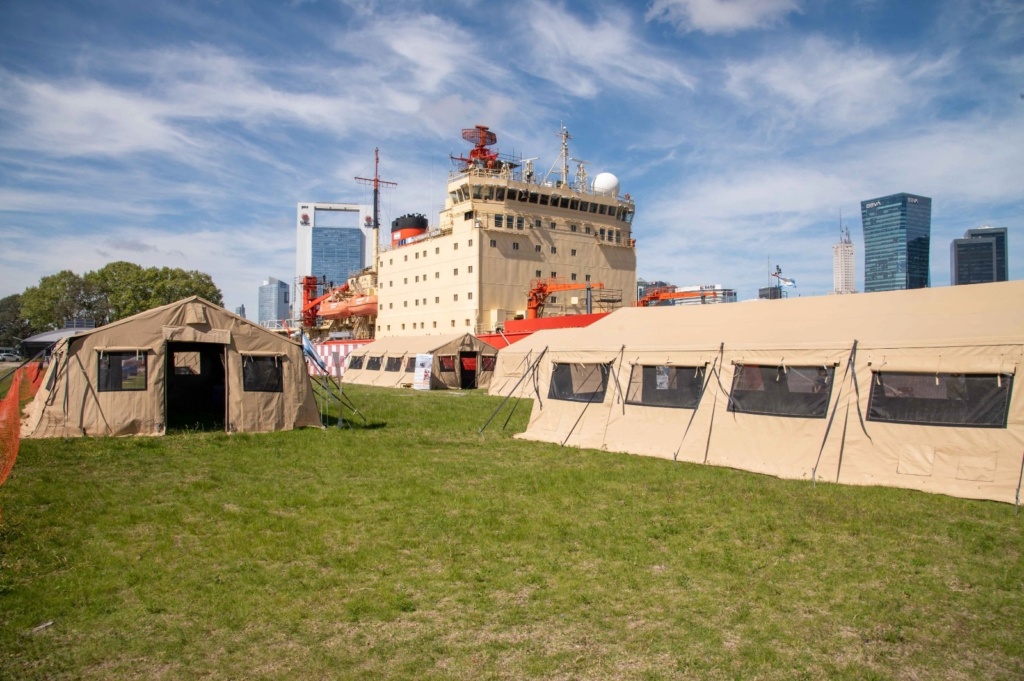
<point x="23" y="387"/>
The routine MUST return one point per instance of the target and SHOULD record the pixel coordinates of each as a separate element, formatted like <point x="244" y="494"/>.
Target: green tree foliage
<point x="13" y="328"/>
<point x="115" y="291"/>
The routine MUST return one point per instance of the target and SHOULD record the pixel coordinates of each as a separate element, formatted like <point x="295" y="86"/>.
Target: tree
<point x="13" y="327"/>
<point x="115" y="291"/>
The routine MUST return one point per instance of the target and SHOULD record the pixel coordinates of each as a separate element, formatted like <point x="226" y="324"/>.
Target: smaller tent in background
<point x="187" y="364"/>
<point x="459" y="361"/>
<point x="521" y="357"/>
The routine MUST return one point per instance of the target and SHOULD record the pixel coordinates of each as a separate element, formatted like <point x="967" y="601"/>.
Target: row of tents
<point x="906" y="389"/>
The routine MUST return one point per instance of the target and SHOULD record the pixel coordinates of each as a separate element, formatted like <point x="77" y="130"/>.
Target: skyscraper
<point x="273" y="301"/>
<point x="897" y="238"/>
<point x="333" y="240"/>
<point x="843" y="264"/>
<point x="999" y="235"/>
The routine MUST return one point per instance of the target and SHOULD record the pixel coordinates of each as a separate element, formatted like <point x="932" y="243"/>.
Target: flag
<point x="784" y="281"/>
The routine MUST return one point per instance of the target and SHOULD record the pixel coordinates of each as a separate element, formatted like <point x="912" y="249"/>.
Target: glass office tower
<point x="997" y="234"/>
<point x="972" y="261"/>
<point x="273" y="301"/>
<point x="336" y="253"/>
<point x="897" y="239"/>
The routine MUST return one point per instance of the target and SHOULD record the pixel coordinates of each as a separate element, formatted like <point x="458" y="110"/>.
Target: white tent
<point x="521" y="358"/>
<point x="458" y="361"/>
<point x="905" y="389"/>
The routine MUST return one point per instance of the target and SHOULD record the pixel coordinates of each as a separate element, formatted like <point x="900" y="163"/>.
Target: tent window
<point x="186" y="363"/>
<point x="579" y="382"/>
<point x="410" y="365"/>
<point x="373" y="363"/>
<point x="355" y="362"/>
<point x="262" y="374"/>
<point x="393" y="364"/>
<point x="487" y="362"/>
<point x="802" y="391"/>
<point x="665" y="386"/>
<point x="978" y="400"/>
<point x="447" y="362"/>
<point x="122" y="371"/>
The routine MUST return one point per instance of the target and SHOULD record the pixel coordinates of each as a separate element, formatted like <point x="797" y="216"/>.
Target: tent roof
<point x="971" y="314"/>
<point x="407" y="344"/>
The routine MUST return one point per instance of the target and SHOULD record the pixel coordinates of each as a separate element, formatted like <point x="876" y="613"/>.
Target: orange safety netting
<point x="24" y="385"/>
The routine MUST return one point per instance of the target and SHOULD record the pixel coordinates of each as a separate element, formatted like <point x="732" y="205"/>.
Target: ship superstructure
<point x="503" y="230"/>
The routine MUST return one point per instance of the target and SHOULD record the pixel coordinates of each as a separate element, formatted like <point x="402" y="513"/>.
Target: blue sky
<point x="184" y="133"/>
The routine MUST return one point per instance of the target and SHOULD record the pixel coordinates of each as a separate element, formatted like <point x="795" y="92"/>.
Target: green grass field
<point x="419" y="549"/>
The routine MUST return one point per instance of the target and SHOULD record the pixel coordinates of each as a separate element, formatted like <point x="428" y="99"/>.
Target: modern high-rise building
<point x="240" y="311"/>
<point x="897" y="239"/>
<point x="843" y="265"/>
<point x="273" y="301"/>
<point x="333" y="240"/>
<point x="999" y="235"/>
<point x="972" y="261"/>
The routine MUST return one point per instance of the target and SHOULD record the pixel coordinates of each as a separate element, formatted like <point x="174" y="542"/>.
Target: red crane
<point x="540" y="289"/>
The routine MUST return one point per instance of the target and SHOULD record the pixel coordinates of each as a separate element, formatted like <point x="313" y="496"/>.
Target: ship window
<point x="554" y="249"/>
<point x="469" y="296"/>
<point x="515" y="245"/>
<point x="417" y="302"/>
<point x="665" y="386"/>
<point x="455" y="246"/>
<point x="405" y="303"/>
<point x="781" y="390"/>
<point x="437" y="275"/>
<point x="534" y="197"/>
<point x="468" y="215"/>
<point x="586" y="230"/>
<point x="520" y="222"/>
<point x="470" y="269"/>
<point x="586" y="277"/>
<point x="978" y="400"/>
<point x="593" y="207"/>
<point x="572" y="228"/>
<point x="373" y="364"/>
<point x="537" y="248"/>
<point x="437" y="299"/>
<point x="455" y="196"/>
<point x="405" y="280"/>
<point x="574" y="204"/>
<point x="537" y="274"/>
<point x="602" y="209"/>
<point x="493" y="243"/>
<point x="460" y="192"/>
<point x="544" y="198"/>
<point x="437" y="250"/>
<point x="490" y="193"/>
<point x="417" y="277"/>
<point x="579" y="382"/>
<point x="355" y="362"/>
<point x="499" y="194"/>
<point x="602" y="234"/>
<point x="584" y="205"/>
<point x="554" y="275"/>
<point x="554" y="226"/>
<point x="564" y="203"/>
<point x="435" y="325"/>
<point x="523" y="195"/>
<point x="467" y="322"/>
<point x="453" y="322"/>
<point x="470" y="244"/>
<point x="573" y="276"/>
<point x="455" y="271"/>
<point x="553" y="299"/>
<point x="477" y="192"/>
<point x="393" y="364"/>
<point x="536" y="223"/>
<point x="573" y="252"/>
<point x="499" y="220"/>
<point x="456" y="297"/>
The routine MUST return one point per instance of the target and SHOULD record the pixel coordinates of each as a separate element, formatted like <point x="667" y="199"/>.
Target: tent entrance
<point x="467" y="375"/>
<point x="196" y="386"/>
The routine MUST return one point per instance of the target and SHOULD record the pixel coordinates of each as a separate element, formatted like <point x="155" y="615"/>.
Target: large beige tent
<point x="181" y="365"/>
<point x="905" y="389"/>
<point x="458" y="361"/>
<point x="515" y="370"/>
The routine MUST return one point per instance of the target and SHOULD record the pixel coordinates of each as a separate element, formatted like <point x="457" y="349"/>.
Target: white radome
<point x="606" y="183"/>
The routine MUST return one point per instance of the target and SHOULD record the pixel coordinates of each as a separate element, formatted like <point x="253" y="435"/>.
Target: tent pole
<point x="831" y="418"/>
<point x="707" y="381"/>
<point x="584" y="411"/>
<point x="521" y="379"/>
<point x="714" y="404"/>
<point x="1016" y="503"/>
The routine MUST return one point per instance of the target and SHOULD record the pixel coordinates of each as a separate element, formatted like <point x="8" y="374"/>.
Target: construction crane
<point x="659" y="294"/>
<point x="540" y="289"/>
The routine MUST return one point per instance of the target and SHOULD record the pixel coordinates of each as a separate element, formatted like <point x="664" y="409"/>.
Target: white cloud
<point x="721" y="16"/>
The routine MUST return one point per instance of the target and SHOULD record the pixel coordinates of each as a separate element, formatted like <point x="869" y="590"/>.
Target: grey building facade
<point x="273" y="301"/>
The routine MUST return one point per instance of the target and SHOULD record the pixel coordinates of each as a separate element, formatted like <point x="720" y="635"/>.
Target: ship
<point x="511" y="249"/>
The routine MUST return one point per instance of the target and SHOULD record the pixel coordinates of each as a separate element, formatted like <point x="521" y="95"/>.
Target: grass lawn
<point x="419" y="549"/>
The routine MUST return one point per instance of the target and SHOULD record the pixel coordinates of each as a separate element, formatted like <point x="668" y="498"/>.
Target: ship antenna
<point x="377" y="184"/>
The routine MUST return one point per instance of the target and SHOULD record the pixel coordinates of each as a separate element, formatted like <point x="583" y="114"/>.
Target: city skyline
<point x="183" y="135"/>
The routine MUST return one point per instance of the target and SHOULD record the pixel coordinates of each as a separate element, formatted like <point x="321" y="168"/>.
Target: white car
<point x="9" y="357"/>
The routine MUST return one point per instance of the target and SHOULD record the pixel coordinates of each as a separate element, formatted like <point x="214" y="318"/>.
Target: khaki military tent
<point x="909" y="389"/>
<point x="181" y="365"/>
<point x="458" y="361"/>
<point x="515" y="370"/>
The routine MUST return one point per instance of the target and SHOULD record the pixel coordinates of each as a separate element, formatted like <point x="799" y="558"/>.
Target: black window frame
<point x="773" y="395"/>
<point x="940" y="399"/>
<point x="569" y="380"/>
<point x="111" y="367"/>
<point x="355" y="362"/>
<point x="263" y="374"/>
<point x="684" y="386"/>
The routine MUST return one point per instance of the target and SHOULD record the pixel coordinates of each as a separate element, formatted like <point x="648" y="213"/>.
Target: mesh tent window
<point x="373" y="363"/>
<point x="579" y="382"/>
<point x="447" y="363"/>
<point x="262" y="374"/>
<point x="487" y="362"/>
<point x="665" y="386"/>
<point x="800" y="391"/>
<point x="120" y="371"/>
<point x="355" y="362"/>
<point x="393" y="364"/>
<point x="410" y="364"/>
<point x="940" y="399"/>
